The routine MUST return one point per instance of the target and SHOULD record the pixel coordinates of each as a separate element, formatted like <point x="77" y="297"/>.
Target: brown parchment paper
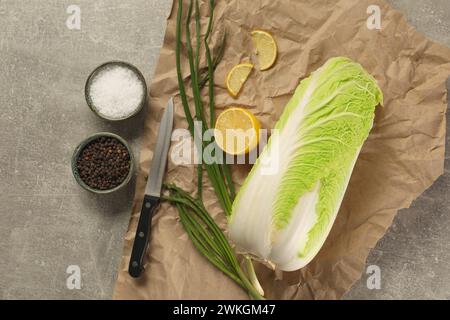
<point x="403" y="156"/>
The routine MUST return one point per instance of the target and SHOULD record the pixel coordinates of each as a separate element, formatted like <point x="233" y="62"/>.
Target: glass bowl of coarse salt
<point x="116" y="90"/>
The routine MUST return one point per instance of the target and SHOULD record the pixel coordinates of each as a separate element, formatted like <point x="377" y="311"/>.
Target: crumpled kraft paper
<point x="403" y="156"/>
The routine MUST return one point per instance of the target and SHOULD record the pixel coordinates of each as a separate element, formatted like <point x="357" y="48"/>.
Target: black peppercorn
<point x="104" y="163"/>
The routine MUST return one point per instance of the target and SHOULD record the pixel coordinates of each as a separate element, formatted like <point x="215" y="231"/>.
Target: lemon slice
<point x="265" y="47"/>
<point x="237" y="77"/>
<point x="237" y="131"/>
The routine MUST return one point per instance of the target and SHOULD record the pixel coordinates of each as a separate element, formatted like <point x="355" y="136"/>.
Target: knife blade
<point x="152" y="192"/>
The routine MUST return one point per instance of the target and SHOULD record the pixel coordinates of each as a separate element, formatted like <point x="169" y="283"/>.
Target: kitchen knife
<point x="152" y="192"/>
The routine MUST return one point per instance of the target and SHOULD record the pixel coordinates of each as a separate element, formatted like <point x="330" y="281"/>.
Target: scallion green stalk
<point x="201" y="228"/>
<point x="208" y="238"/>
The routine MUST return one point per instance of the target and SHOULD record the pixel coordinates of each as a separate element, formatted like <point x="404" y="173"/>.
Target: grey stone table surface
<point x="48" y="223"/>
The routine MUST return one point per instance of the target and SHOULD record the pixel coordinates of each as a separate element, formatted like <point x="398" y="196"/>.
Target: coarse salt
<point x="116" y="92"/>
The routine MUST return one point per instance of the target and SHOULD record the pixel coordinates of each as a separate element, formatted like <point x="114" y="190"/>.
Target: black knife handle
<point x="142" y="237"/>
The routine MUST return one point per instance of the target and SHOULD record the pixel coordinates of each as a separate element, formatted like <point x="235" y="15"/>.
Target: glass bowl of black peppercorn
<point x="103" y="163"/>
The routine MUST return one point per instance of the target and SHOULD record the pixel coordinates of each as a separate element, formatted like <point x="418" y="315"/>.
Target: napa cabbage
<point x="285" y="216"/>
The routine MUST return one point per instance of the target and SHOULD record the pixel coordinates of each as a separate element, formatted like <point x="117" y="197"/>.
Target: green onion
<point x="204" y="72"/>
<point x="213" y="171"/>
<point x="197" y="72"/>
<point x="225" y="172"/>
<point x="181" y="86"/>
<point x="208" y="238"/>
<point x="201" y="228"/>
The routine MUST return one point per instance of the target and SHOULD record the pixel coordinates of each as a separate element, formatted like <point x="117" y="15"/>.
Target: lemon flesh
<point x="237" y="131"/>
<point x="265" y="48"/>
<point x="237" y="77"/>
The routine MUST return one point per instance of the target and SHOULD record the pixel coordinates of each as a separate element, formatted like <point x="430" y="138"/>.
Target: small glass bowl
<point x="107" y="65"/>
<point x="80" y="148"/>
